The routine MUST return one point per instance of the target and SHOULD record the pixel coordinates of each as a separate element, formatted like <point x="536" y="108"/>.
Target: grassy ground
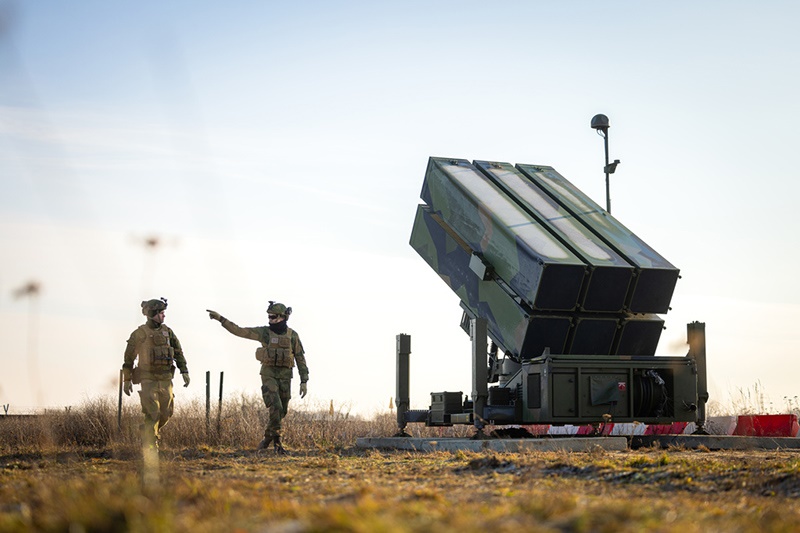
<point x="80" y="471"/>
<point x="225" y="489"/>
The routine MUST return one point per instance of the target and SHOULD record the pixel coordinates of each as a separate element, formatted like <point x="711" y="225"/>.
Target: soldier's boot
<point x="278" y="448"/>
<point x="264" y="444"/>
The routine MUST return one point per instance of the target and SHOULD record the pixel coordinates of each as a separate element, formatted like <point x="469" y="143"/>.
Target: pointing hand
<point x="213" y="315"/>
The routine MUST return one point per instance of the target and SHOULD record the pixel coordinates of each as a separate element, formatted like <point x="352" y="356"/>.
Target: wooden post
<point x="119" y="403"/>
<point x="208" y="401"/>
<point x="219" y="410"/>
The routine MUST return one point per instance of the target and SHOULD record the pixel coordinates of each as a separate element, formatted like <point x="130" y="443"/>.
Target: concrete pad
<point x="569" y="444"/>
<point x="716" y="442"/>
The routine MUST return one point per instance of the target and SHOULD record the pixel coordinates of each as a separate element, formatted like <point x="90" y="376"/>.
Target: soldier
<point x="158" y="350"/>
<point x="279" y="351"/>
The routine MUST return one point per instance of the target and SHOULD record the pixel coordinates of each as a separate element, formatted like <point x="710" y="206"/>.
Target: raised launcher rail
<point x="567" y="295"/>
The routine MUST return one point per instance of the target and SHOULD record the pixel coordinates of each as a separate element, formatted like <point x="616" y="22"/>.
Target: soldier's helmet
<point x="151" y="308"/>
<point x="278" y="309"/>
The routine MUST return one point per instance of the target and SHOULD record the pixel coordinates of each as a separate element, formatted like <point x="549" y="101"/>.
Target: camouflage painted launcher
<point x="546" y="266"/>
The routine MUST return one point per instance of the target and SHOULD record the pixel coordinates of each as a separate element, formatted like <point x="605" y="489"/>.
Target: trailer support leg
<point x="480" y="372"/>
<point x="696" y="337"/>
<point x="402" y="400"/>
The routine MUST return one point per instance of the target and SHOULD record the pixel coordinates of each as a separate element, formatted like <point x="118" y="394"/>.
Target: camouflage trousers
<point x="276" y="389"/>
<point x="157" y="405"/>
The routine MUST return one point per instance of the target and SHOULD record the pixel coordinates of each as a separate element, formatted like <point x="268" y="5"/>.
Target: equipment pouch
<point x="283" y="358"/>
<point x="136" y="375"/>
<point x="261" y="353"/>
<point x="288" y="361"/>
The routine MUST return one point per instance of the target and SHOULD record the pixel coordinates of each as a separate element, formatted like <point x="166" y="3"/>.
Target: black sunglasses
<point x="271" y="317"/>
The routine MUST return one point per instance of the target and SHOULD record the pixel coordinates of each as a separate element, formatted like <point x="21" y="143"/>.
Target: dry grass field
<point x="77" y="472"/>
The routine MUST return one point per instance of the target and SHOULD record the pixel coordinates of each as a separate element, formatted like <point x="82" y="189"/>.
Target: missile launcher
<point x="561" y="301"/>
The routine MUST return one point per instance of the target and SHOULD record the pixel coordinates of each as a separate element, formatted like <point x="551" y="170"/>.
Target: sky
<point x="276" y="151"/>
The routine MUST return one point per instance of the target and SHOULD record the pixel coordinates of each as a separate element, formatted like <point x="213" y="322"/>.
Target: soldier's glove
<point x="185" y="376"/>
<point x="213" y="315"/>
<point x="127" y="388"/>
<point x="303" y="389"/>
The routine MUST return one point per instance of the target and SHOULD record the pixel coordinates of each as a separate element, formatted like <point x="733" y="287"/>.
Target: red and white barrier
<point x="745" y="425"/>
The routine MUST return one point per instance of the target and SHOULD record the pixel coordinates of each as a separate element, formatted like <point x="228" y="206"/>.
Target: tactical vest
<point x="277" y="350"/>
<point x="155" y="353"/>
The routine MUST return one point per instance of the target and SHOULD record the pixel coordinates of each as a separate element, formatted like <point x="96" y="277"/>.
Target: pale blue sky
<point x="278" y="151"/>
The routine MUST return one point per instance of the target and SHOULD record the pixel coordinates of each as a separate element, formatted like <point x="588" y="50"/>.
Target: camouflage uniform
<point x="278" y="354"/>
<point x="158" y="351"/>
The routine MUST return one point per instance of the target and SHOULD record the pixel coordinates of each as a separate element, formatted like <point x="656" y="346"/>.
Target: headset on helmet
<point x="151" y="308"/>
<point x="278" y="309"/>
